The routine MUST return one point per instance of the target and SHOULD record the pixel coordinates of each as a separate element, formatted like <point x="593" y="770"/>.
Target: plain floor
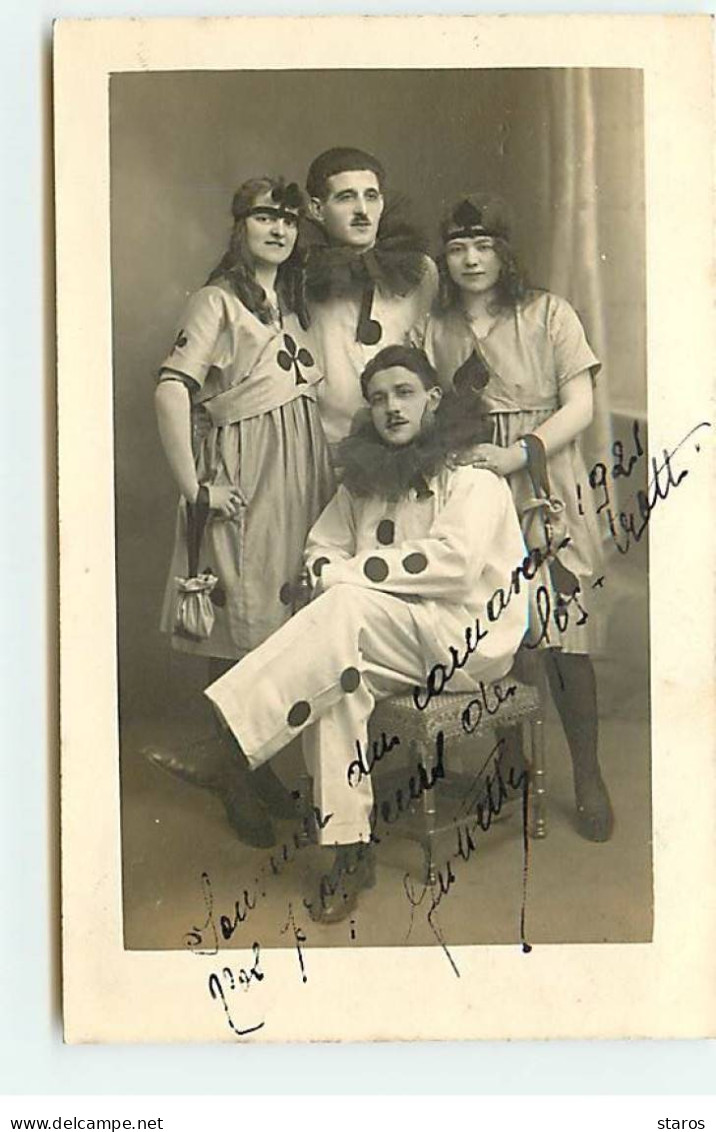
<point x="576" y="891"/>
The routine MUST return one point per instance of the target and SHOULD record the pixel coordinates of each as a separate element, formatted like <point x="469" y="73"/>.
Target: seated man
<point x="405" y="558"/>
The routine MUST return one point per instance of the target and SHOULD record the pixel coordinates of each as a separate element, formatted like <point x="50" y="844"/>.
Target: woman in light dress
<point x="532" y="348"/>
<point x="238" y="421"/>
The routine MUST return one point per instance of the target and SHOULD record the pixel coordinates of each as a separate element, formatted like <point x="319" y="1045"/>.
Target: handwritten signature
<point x="481" y="805"/>
<point x="663" y="480"/>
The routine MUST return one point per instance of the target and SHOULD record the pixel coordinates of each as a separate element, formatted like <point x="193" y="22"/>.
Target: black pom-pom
<point x="287" y="196"/>
<point x="370" y="332"/>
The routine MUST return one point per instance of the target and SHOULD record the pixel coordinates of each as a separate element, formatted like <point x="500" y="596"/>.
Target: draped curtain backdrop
<point x="586" y="225"/>
<point x="575" y="267"/>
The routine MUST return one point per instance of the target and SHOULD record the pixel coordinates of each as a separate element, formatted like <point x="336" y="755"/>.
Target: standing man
<point x="368" y="282"/>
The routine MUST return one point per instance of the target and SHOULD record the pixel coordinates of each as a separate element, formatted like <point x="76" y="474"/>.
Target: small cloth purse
<point x="194" y="612"/>
<point x="544" y="524"/>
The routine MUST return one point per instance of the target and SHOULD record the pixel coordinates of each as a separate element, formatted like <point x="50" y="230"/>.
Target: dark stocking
<point x="573" y="685"/>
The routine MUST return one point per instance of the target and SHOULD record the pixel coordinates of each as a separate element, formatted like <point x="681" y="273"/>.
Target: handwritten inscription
<point x="368" y="757"/>
<point x="226" y="985"/>
<point x="299" y="938"/>
<point x="487" y="702"/>
<point x="497" y="786"/>
<point x="441" y="674"/>
<point x="223" y="984"/>
<point x="205" y="938"/>
<point x="627" y="529"/>
<point x="481" y="807"/>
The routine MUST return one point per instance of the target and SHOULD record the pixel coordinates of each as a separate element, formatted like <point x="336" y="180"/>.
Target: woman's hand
<point x="225" y="501"/>
<point x="501" y="461"/>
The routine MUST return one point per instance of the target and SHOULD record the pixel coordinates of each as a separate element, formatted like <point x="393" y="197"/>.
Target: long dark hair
<point x="236" y="266"/>
<point x="511" y="287"/>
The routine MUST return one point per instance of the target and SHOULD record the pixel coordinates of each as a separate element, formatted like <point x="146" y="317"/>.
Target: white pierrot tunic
<point x="447" y="553"/>
<point x="334" y="324"/>
<point x="404" y="583"/>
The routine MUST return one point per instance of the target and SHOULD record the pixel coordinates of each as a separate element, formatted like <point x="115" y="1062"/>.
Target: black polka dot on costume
<point x="285" y="594"/>
<point x="319" y="564"/>
<point x="350" y="679"/>
<point x="375" y="569"/>
<point x="415" y="563"/>
<point x="299" y="713"/>
<point x="386" y="532"/>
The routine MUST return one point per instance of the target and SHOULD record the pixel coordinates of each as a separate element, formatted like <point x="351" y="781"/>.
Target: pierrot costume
<point x="402" y="581"/>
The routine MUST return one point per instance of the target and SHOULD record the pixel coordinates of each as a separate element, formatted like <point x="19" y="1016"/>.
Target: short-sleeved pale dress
<point x="531" y="353"/>
<point x="255" y="426"/>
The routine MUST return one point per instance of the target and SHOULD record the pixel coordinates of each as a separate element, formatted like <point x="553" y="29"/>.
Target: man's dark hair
<point x="341" y="159"/>
<point x="409" y="357"/>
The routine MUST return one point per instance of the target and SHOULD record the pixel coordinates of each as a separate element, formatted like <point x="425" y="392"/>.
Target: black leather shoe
<point x="248" y="817"/>
<point x="200" y="764"/>
<point x="279" y="801"/>
<point x="335" y="893"/>
<point x="595" y="817"/>
<point x="209" y="764"/>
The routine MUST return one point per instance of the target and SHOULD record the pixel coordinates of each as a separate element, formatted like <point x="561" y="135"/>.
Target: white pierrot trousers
<point x="321" y="674"/>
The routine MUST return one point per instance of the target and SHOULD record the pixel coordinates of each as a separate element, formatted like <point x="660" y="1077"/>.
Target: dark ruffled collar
<point x="395" y="265"/>
<point x="373" y="468"/>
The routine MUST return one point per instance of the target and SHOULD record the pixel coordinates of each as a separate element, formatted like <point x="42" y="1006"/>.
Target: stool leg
<point x="538" y="823"/>
<point x="423" y="754"/>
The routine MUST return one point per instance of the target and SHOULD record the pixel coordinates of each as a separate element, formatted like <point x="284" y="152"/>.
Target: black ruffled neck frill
<point x="395" y="265"/>
<point x="371" y="467"/>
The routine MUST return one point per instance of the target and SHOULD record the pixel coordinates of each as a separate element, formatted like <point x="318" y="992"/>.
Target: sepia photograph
<point x="379" y="492"/>
<point x="297" y="555"/>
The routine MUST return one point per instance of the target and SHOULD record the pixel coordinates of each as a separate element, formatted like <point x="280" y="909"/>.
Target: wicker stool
<point x="447" y="713"/>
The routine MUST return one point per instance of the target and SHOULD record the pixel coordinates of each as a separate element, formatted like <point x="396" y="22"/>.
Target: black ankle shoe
<point x="335" y="893"/>
<point x="279" y="801"/>
<point x="247" y="816"/>
<point x="595" y="817"/>
<point x="212" y="765"/>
